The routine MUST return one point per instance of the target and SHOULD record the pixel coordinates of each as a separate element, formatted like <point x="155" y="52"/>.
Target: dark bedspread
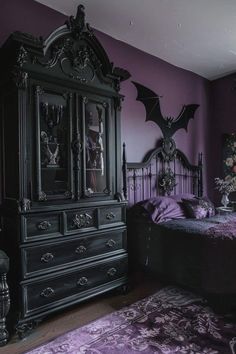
<point x="200" y="254"/>
<point x="217" y="227"/>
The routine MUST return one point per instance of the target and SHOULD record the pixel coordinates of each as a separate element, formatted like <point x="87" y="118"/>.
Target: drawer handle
<point x="82" y="281"/>
<point x="111" y="243"/>
<point x="47" y="257"/>
<point x="81" y="249"/>
<point x="111" y="272"/>
<point x="44" y="225"/>
<point x="48" y="292"/>
<point x="82" y="220"/>
<point x="110" y="216"/>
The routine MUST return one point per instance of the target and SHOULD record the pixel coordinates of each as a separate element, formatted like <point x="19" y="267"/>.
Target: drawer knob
<point x="111" y="243"/>
<point x="44" y="225"/>
<point x="81" y="249"/>
<point x="82" y="281"/>
<point x="82" y="220"/>
<point x="111" y="272"/>
<point x="110" y="216"/>
<point x="47" y="257"/>
<point x="48" y="292"/>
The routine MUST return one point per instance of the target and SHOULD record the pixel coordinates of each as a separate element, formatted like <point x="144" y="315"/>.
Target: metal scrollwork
<point x="166" y="181"/>
<point x="82" y="220"/>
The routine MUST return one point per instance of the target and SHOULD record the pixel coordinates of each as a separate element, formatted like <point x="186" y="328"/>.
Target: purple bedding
<point x="162" y="208"/>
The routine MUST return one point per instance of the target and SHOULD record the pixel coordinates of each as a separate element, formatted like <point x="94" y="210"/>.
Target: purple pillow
<point x="199" y="208"/>
<point x="162" y="209"/>
<point x="178" y="197"/>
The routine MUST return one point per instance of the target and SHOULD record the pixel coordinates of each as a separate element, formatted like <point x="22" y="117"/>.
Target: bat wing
<point x="151" y="103"/>
<point x="183" y="118"/>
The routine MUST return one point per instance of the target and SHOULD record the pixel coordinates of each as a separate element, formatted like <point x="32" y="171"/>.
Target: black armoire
<point x="62" y="211"/>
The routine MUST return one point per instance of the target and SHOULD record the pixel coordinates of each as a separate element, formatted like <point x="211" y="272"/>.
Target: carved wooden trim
<point x="82" y="220"/>
<point x="23" y="329"/>
<point x="24" y="205"/>
<point x="20" y="77"/>
<point x="77" y="24"/>
<point x="4" y="308"/>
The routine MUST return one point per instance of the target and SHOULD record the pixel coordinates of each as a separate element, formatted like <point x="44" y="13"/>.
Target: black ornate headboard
<point x="164" y="171"/>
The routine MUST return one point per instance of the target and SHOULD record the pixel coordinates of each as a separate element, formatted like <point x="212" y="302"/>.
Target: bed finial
<point x="200" y="179"/>
<point x="124" y="171"/>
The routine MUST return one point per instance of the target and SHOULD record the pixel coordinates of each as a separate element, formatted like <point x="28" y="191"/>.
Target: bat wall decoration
<point x="168" y="125"/>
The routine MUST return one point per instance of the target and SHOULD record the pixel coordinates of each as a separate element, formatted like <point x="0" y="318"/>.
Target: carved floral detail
<point x="76" y="146"/>
<point x="22" y="56"/>
<point x="20" y="77"/>
<point x="82" y="220"/>
<point x="168" y="149"/>
<point x="42" y="196"/>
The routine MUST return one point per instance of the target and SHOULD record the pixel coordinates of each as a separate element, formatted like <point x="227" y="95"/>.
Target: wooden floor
<point x="140" y="287"/>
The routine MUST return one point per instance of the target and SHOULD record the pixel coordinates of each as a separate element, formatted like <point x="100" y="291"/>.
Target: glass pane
<point x="54" y="133"/>
<point x="96" y="179"/>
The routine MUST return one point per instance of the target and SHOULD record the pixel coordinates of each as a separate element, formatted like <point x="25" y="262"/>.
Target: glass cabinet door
<point x="96" y="175"/>
<point x="53" y="110"/>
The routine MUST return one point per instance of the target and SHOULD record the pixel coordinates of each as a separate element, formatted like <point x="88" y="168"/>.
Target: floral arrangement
<point x="226" y="186"/>
<point x="229" y="155"/>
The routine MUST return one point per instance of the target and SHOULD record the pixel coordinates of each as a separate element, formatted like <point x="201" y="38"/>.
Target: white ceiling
<point x="197" y="35"/>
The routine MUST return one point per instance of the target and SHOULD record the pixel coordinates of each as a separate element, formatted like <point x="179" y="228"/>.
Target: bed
<point x="197" y="253"/>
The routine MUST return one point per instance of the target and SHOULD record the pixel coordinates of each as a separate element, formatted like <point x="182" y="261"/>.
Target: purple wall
<point x="177" y="86"/>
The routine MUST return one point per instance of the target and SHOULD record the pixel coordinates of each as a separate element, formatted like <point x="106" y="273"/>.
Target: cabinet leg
<point x="4" y="308"/>
<point x="124" y="289"/>
<point x="24" y="329"/>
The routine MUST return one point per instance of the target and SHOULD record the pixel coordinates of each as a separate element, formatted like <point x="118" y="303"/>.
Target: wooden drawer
<point x="47" y="256"/>
<point x="41" y="226"/>
<point x="73" y="284"/>
<point x="81" y="220"/>
<point x="112" y="215"/>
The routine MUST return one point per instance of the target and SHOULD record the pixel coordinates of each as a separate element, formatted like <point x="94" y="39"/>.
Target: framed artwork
<point x="229" y="155"/>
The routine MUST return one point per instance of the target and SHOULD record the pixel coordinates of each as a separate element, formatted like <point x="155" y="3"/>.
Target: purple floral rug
<point x="170" y="321"/>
